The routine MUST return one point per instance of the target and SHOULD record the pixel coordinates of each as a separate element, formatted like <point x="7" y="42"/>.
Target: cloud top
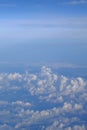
<point x="42" y="100"/>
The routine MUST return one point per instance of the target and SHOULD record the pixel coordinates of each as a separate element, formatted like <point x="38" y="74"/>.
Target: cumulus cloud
<point x="67" y="107"/>
<point x="43" y="100"/>
<point x="76" y="127"/>
<point x="46" y="84"/>
<point x="15" y="76"/>
<point x="21" y="103"/>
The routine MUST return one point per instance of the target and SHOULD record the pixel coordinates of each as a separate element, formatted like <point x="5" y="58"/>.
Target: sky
<point x="53" y="31"/>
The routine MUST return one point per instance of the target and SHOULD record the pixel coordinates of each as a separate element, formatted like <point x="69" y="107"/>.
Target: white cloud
<point x="63" y="82"/>
<point x="78" y="107"/>
<point x="15" y="76"/>
<point x="67" y="107"/>
<point x="54" y="126"/>
<point x="63" y="28"/>
<point x="66" y="95"/>
<point x="46" y="85"/>
<point x="77" y="127"/>
<point x="77" y="2"/>
<point x="21" y="103"/>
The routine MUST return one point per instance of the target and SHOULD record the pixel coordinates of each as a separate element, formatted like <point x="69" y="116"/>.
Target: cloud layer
<point x="42" y="100"/>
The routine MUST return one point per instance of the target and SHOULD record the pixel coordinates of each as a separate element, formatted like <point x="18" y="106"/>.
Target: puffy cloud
<point x="54" y="126"/>
<point x="77" y="127"/>
<point x="44" y="100"/>
<point x="63" y="82"/>
<point x="15" y="76"/>
<point x="78" y="106"/>
<point x="67" y="107"/>
<point x="29" y="77"/>
<point x="60" y="99"/>
<point x="46" y="85"/>
<point x="21" y="103"/>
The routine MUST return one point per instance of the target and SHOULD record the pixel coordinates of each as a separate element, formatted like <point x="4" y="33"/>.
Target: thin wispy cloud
<point x="81" y="22"/>
<point x="72" y="28"/>
<point x="76" y="2"/>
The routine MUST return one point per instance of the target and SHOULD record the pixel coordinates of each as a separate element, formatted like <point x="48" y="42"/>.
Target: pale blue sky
<point x="53" y="31"/>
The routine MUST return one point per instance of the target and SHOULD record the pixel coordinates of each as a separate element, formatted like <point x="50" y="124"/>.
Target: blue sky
<point x="25" y="25"/>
